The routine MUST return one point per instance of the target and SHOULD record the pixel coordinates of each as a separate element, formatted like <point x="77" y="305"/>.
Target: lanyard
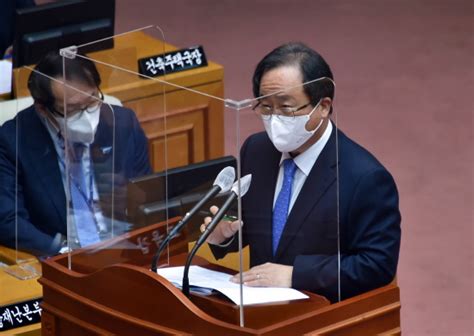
<point x="89" y="200"/>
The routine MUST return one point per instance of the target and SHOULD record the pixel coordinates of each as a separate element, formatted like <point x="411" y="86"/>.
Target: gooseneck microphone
<point x="244" y="187"/>
<point x="222" y="183"/>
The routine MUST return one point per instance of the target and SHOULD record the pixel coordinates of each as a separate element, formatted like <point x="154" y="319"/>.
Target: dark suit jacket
<point x="369" y="219"/>
<point x="39" y="190"/>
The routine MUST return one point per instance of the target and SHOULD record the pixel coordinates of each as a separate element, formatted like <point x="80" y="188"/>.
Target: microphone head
<point x="225" y="179"/>
<point x="244" y="185"/>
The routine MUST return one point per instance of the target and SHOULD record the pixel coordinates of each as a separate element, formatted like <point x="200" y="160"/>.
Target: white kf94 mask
<point x="289" y="133"/>
<point x="80" y="128"/>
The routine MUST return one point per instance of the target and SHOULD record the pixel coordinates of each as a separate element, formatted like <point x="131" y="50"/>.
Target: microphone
<point x="244" y="187"/>
<point x="222" y="183"/>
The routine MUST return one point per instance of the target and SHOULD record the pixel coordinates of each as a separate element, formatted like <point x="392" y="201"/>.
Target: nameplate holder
<point x="171" y="62"/>
<point x="20" y="314"/>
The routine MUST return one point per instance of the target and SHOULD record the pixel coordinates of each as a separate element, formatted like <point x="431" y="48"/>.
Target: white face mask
<point x="289" y="133"/>
<point x="80" y="128"/>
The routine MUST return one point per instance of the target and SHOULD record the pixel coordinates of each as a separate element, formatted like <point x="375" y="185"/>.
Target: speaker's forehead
<point x="283" y="82"/>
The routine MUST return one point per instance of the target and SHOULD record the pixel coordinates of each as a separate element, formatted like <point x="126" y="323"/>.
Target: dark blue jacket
<point x="365" y="213"/>
<point x="31" y="189"/>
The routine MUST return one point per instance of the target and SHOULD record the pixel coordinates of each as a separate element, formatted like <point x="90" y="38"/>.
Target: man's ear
<point x="325" y="107"/>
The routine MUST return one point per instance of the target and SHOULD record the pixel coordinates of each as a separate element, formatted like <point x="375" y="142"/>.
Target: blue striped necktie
<point x="282" y="204"/>
<point x="86" y="226"/>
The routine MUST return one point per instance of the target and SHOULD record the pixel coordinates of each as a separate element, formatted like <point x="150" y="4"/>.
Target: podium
<point x="109" y="289"/>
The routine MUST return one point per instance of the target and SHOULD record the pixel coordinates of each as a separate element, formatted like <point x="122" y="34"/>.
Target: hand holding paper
<point x="266" y="275"/>
<point x="199" y="276"/>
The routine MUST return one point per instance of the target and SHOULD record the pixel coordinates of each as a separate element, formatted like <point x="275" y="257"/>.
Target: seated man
<point x="300" y="211"/>
<point x="105" y="147"/>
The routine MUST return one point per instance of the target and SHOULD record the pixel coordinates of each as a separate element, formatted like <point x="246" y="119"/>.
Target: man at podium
<point x="69" y="142"/>
<point x="310" y="226"/>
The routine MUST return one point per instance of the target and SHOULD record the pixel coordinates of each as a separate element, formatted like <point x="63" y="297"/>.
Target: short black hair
<point x="78" y="69"/>
<point x="312" y="66"/>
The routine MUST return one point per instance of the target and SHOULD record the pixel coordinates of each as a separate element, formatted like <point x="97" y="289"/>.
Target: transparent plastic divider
<point x="142" y="93"/>
<point x="181" y="89"/>
<point x="19" y="255"/>
<point x="310" y="234"/>
<point x="209" y="97"/>
<point x="133" y="159"/>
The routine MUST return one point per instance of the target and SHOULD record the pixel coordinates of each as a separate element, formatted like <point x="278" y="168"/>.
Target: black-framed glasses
<point x="91" y="107"/>
<point x="266" y="111"/>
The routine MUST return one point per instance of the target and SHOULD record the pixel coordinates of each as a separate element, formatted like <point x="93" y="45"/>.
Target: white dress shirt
<point x="88" y="173"/>
<point x="304" y="163"/>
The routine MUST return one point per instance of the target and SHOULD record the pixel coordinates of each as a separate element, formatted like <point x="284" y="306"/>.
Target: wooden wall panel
<point x="193" y="127"/>
<point x="180" y="145"/>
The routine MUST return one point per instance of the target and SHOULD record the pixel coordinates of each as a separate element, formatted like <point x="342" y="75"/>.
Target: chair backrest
<point x="9" y="108"/>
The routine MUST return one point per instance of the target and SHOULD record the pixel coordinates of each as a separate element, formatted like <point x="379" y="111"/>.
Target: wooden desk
<point x="14" y="290"/>
<point x="192" y="124"/>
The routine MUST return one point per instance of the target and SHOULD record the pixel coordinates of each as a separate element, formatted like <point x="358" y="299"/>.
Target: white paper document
<point x="202" y="277"/>
<point x="5" y="77"/>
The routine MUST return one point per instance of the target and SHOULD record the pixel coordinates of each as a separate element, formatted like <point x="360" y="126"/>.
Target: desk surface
<point x="14" y="290"/>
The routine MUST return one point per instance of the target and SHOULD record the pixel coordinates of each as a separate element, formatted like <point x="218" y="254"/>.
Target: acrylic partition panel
<point x="181" y="117"/>
<point x="22" y="240"/>
<point x="120" y="210"/>
<point x="289" y="143"/>
<point x="124" y="165"/>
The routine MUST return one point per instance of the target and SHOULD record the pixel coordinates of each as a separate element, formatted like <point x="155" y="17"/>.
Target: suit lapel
<point x="270" y="179"/>
<point x="103" y="146"/>
<point x="261" y="159"/>
<point x="44" y="160"/>
<point x="321" y="177"/>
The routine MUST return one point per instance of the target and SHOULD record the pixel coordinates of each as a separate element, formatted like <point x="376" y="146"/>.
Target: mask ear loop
<point x="309" y="117"/>
<point x="314" y="108"/>
<point x="51" y="119"/>
<point x="317" y="127"/>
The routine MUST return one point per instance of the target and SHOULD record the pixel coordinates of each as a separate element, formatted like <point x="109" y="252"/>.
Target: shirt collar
<point x="52" y="129"/>
<point x="305" y="161"/>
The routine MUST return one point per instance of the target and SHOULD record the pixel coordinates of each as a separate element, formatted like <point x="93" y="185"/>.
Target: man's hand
<point x="266" y="275"/>
<point x="223" y="231"/>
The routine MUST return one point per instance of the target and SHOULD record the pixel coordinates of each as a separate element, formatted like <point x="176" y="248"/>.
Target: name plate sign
<point x="20" y="314"/>
<point x="175" y="61"/>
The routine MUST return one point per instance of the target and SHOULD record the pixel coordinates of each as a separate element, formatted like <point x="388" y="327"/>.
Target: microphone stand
<point x="214" y="191"/>
<point x="223" y="182"/>
<point x="202" y="239"/>
<point x="236" y="188"/>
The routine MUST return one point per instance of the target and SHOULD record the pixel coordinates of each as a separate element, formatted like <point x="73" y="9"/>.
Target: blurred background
<point x="405" y="79"/>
